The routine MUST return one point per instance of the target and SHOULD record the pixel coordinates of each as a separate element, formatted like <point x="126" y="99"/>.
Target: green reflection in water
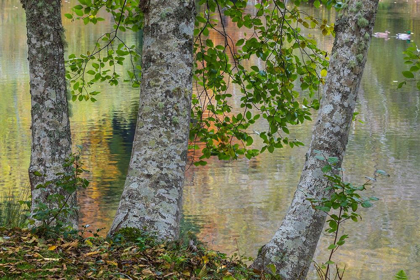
<point x="237" y="206"/>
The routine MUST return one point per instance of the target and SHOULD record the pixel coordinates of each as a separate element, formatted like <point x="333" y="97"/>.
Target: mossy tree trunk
<point x="152" y="196"/>
<point x="292" y="248"/>
<point x="51" y="137"/>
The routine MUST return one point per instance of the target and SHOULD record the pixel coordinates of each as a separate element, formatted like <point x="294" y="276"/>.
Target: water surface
<point x="237" y="206"/>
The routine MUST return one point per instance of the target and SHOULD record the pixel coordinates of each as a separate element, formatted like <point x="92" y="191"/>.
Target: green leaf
<point x="400" y="85"/>
<point x="240" y="42"/>
<point x="326" y="168"/>
<point x="200" y="163"/>
<point x="401" y="275"/>
<point x="333" y="160"/>
<point x="366" y="204"/>
<point x="332" y="246"/>
<point x="37" y="173"/>
<point x="382" y="172"/>
<point x="408" y="74"/>
<point x="272" y="268"/>
<point x="79" y="12"/>
<point x="69" y="16"/>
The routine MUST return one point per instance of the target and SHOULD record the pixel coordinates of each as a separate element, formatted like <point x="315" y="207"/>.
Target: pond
<point x="236" y="206"/>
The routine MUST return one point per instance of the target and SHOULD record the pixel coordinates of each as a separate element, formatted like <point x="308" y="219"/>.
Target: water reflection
<point x="238" y="205"/>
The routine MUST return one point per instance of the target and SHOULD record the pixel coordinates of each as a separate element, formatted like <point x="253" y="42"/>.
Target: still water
<point x="237" y="206"/>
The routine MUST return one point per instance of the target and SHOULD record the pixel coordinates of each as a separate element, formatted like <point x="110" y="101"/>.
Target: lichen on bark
<point x="292" y="248"/>
<point x="51" y="137"/>
<point x="152" y="196"/>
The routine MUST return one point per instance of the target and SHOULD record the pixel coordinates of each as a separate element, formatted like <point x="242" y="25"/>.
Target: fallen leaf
<point x="112" y="263"/>
<point x="92" y="253"/>
<point x="147" y="272"/>
<point x="52" y="248"/>
<point x="37" y="255"/>
<point x="70" y="244"/>
<point x="31" y="241"/>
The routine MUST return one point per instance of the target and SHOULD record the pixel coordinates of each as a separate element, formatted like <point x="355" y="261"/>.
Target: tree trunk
<point x="292" y="248"/>
<point x="152" y="196"/>
<point x="51" y="137"/>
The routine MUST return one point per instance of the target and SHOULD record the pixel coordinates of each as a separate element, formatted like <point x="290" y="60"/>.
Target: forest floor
<point x="129" y="255"/>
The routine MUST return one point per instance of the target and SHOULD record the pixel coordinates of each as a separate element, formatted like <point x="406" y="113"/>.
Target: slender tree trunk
<point x="292" y="248"/>
<point x="51" y="138"/>
<point x="152" y="196"/>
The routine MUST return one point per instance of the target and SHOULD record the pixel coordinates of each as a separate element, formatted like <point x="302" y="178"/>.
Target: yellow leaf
<point x="203" y="272"/>
<point x="52" y="248"/>
<point x="128" y="249"/>
<point x="92" y="253"/>
<point x="112" y="263"/>
<point x="146" y="272"/>
<point x="324" y="73"/>
<point x="32" y="240"/>
<point x="212" y="254"/>
<point x="71" y="244"/>
<point x="88" y="242"/>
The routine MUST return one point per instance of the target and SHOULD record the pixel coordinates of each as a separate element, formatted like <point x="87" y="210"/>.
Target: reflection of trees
<point x="123" y="128"/>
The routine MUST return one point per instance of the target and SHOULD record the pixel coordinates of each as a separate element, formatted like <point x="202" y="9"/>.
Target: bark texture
<point x="152" y="196"/>
<point x="51" y="137"/>
<point x="292" y="248"/>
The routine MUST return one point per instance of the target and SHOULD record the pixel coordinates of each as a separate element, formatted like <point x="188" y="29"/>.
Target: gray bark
<point x="152" y="196"/>
<point x="51" y="137"/>
<point x="292" y="248"/>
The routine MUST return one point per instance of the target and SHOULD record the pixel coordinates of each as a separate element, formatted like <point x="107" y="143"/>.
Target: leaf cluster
<point x="26" y="255"/>
<point x="265" y="67"/>
<point x="100" y="64"/>
<point x="280" y="89"/>
<point x="345" y="201"/>
<point x="411" y="58"/>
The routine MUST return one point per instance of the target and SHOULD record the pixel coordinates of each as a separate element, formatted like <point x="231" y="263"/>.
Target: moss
<point x="361" y="46"/>
<point x="359" y="5"/>
<point x="352" y="63"/>
<point x="367" y="36"/>
<point x="362" y="22"/>
<point x="359" y="58"/>
<point x="130" y="234"/>
<point x="175" y="120"/>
